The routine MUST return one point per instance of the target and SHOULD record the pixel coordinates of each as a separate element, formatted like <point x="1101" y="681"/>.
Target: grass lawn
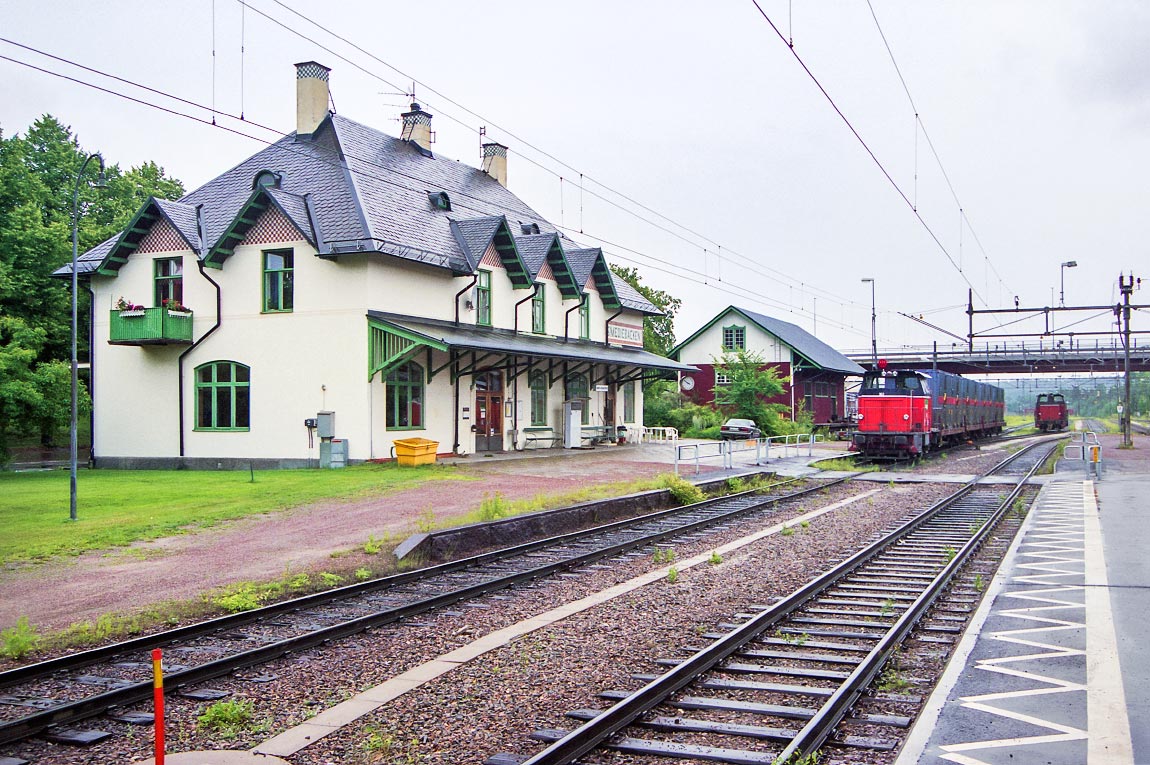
<point x="118" y="507"/>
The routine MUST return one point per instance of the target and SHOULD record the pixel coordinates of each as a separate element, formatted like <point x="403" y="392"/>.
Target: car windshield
<point x="739" y="423"/>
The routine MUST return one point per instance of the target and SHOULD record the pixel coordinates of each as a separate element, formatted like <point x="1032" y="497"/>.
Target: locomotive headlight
<point x="906" y="416"/>
<point x="860" y="416"/>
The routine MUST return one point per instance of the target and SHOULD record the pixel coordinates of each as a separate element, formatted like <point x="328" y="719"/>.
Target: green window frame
<point x="734" y="338"/>
<point x="538" y="384"/>
<point x="483" y="298"/>
<point x="168" y="281"/>
<point x="539" y="309"/>
<point x="223" y="396"/>
<point x="279" y="281"/>
<point x="585" y="318"/>
<point x="629" y="402"/>
<point x="405" y="397"/>
<point x="578" y="387"/>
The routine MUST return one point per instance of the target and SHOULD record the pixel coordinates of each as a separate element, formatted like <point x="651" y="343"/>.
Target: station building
<point x="344" y="271"/>
<point x="814" y="373"/>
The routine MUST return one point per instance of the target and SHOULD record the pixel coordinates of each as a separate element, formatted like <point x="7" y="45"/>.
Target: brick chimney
<point x="417" y="126"/>
<point x="495" y="162"/>
<point x="311" y="97"/>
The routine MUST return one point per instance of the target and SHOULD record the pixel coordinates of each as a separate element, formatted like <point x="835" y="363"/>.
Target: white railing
<point x="764" y="449"/>
<point x="1087" y="450"/>
<point x="657" y="435"/>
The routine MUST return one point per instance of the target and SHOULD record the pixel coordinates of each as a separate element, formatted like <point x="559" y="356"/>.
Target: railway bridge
<point x="1039" y="357"/>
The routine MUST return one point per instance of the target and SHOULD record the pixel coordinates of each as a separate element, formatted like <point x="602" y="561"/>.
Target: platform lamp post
<point x="873" y="335"/>
<point x="1062" y="281"/>
<point x="101" y="183"/>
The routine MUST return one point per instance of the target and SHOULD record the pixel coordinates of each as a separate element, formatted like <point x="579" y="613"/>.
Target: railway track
<point x="782" y="681"/>
<point x="47" y="697"/>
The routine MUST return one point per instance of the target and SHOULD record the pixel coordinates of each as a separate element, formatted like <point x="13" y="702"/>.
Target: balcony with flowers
<point x="166" y="324"/>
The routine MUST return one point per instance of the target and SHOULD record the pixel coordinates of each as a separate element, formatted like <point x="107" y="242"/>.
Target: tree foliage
<point x="37" y="178"/>
<point x="749" y="385"/>
<point x="658" y="331"/>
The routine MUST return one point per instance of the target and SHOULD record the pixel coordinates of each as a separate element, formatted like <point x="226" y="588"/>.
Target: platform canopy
<point x="395" y="338"/>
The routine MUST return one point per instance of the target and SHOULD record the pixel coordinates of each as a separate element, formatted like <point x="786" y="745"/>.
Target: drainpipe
<point x="460" y="294"/>
<point x="193" y="346"/>
<point x="607" y="324"/>
<point x="455" y="446"/>
<point x="91" y="373"/>
<point x="567" y="316"/>
<point x="516" y="309"/>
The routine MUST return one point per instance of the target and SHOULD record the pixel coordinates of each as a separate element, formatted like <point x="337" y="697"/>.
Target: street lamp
<point x="101" y="183"/>
<point x="1062" y="281"/>
<point x="873" y="336"/>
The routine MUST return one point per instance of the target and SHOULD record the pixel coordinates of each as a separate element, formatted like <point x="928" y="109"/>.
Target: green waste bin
<point x="415" y="451"/>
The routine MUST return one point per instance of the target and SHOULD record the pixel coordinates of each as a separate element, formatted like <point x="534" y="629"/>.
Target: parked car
<point x="737" y="428"/>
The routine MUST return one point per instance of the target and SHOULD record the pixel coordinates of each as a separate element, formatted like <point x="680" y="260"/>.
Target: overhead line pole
<point x="1126" y="286"/>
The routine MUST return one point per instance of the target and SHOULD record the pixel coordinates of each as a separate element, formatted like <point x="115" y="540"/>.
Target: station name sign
<point x="619" y="333"/>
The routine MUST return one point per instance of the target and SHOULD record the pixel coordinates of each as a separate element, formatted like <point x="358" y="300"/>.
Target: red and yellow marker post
<point x="158" y="686"/>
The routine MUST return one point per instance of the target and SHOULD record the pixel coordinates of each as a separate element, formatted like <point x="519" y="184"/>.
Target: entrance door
<point x="489" y="412"/>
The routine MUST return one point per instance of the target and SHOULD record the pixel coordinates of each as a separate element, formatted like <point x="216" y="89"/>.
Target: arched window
<point x="538" y="398"/>
<point x="223" y="396"/>
<point x="577" y="387"/>
<point x="405" y="397"/>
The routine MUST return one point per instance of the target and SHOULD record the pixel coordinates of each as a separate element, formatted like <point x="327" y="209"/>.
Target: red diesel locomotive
<point x="904" y="414"/>
<point x="1050" y="412"/>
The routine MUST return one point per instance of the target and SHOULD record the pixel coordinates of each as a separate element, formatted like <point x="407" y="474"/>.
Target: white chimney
<point x="311" y="97"/>
<point x="417" y="126"/>
<point x="495" y="162"/>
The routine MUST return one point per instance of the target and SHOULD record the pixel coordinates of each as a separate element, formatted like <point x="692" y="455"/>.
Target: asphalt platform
<point x="1055" y="669"/>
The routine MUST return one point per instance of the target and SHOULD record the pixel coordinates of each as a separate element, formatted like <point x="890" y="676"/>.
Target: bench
<point x="598" y="434"/>
<point x="540" y="434"/>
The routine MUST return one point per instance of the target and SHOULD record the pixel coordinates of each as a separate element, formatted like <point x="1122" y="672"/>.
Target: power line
<point x="753" y="266"/>
<point x="669" y="267"/>
<point x="930" y="143"/>
<point x="869" y="151"/>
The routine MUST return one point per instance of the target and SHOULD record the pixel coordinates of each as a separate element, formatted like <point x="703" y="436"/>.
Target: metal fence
<point x="776" y="447"/>
<point x="1087" y="450"/>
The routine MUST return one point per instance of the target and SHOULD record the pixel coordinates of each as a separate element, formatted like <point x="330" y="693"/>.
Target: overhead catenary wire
<point x="870" y="152"/>
<point x="756" y="266"/>
<point x="938" y="160"/>
<point x="670" y="268"/>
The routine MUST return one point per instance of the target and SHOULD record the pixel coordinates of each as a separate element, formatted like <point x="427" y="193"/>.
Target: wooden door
<point x="489" y="412"/>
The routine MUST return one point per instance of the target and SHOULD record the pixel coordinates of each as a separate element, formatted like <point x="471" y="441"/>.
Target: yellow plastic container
<point x="415" y="451"/>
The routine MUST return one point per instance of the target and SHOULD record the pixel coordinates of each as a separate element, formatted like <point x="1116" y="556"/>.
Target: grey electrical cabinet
<point x="325" y="424"/>
<point x="333" y="453"/>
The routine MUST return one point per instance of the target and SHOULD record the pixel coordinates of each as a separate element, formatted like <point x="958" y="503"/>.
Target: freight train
<point x="906" y="413"/>
<point x="1050" y="412"/>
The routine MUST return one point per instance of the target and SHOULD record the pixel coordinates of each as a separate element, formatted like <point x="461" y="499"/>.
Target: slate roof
<point x="798" y="339"/>
<point x="350" y="187"/>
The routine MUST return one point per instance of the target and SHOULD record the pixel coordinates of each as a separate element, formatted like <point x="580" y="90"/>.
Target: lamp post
<point x="1062" y="281"/>
<point x="873" y="336"/>
<point x="101" y="182"/>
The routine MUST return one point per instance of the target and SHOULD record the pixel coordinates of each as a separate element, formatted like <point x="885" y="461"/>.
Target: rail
<point x="437" y="586"/>
<point x="606" y="727"/>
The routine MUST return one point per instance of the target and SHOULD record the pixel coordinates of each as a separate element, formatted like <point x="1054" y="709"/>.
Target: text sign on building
<point x="619" y="333"/>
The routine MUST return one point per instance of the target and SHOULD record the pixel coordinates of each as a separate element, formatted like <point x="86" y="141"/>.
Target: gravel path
<point x="56" y="594"/>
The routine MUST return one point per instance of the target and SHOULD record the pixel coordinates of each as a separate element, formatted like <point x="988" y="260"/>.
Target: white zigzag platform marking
<point x="1054" y="549"/>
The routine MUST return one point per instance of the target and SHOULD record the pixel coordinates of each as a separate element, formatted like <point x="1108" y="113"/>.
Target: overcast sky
<point x="1039" y="111"/>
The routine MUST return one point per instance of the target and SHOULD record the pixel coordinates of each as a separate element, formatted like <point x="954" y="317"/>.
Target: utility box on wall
<point x="325" y="424"/>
